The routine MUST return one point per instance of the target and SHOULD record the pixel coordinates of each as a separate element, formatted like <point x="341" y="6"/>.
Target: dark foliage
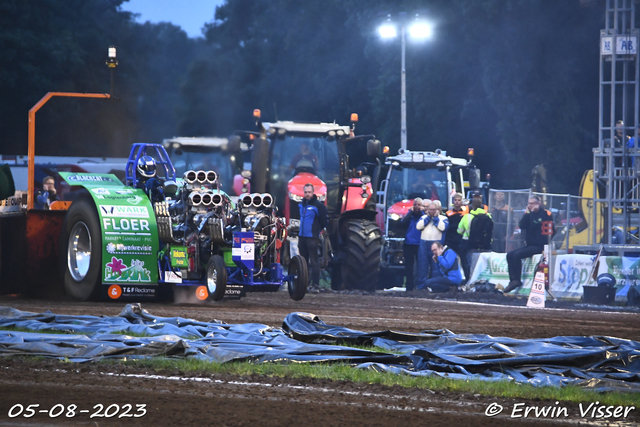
<point x="516" y="79"/>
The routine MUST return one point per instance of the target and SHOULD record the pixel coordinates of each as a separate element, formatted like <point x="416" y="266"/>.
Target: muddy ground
<point x="175" y="398"/>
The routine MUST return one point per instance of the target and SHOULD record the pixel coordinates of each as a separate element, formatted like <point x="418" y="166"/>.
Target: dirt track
<point x="172" y="399"/>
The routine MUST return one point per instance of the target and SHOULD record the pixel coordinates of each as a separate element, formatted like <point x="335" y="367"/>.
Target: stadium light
<point x="418" y="30"/>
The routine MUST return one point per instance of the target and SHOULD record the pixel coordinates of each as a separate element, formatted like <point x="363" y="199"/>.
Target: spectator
<point x="48" y="194"/>
<point x="454" y="215"/>
<point x="448" y="264"/>
<point x="531" y="223"/>
<point x="619" y="138"/>
<point x="500" y="214"/>
<point x="433" y="226"/>
<point x="411" y="241"/>
<point x="476" y="228"/>
<point x="313" y="219"/>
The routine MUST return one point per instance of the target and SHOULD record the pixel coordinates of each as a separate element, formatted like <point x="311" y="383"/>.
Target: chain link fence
<point x="571" y="216"/>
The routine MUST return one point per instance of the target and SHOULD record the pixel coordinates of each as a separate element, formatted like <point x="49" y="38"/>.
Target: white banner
<point x="570" y="274"/>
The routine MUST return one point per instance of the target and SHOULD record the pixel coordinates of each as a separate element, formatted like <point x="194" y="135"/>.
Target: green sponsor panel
<point x="129" y="231"/>
<point x="91" y="179"/>
<point x="179" y="257"/>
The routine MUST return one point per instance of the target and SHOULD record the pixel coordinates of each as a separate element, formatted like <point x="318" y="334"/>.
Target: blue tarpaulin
<point x="596" y="362"/>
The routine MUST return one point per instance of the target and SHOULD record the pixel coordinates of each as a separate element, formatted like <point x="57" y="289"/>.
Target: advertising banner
<point x="568" y="277"/>
<point x="492" y="266"/>
<point x="573" y="272"/>
<point x="129" y="232"/>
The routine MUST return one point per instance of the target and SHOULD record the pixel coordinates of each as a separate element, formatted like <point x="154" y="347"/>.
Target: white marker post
<point x="537" y="295"/>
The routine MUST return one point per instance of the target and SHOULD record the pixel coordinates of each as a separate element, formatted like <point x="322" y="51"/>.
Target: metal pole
<point x="567" y="218"/>
<point x="403" y="95"/>
<point x="111" y="88"/>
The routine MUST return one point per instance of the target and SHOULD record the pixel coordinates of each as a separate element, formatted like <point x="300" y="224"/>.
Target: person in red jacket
<point x="531" y="225"/>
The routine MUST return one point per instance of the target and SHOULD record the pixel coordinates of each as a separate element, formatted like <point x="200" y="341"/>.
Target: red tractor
<point x="286" y="156"/>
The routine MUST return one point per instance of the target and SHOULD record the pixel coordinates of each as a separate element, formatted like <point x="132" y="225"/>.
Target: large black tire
<point x="81" y="250"/>
<point x="259" y="165"/>
<point x="298" y="284"/>
<point x="336" y="276"/>
<point x="361" y="266"/>
<point x="216" y="277"/>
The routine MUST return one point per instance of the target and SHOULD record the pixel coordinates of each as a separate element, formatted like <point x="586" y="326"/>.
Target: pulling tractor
<point x="411" y="174"/>
<point x="286" y="156"/>
<point x="142" y="239"/>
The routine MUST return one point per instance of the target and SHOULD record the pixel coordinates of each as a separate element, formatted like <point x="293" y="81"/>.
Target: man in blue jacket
<point x="411" y="241"/>
<point x="313" y="219"/>
<point x="449" y="266"/>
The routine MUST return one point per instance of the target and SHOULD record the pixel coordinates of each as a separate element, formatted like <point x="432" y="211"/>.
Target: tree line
<point x="515" y="79"/>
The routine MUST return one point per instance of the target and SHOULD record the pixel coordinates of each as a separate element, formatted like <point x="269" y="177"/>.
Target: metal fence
<point x="571" y="217"/>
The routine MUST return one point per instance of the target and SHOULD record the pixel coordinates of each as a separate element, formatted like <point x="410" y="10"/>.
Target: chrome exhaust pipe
<point x="195" y="199"/>
<point x="216" y="199"/>
<point x="267" y="200"/>
<point x="190" y="177"/>
<point x="246" y="200"/>
<point x="206" y="199"/>
<point x="212" y="177"/>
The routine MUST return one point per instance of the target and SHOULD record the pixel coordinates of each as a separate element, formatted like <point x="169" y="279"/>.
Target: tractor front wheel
<point x="299" y="278"/>
<point x="216" y="277"/>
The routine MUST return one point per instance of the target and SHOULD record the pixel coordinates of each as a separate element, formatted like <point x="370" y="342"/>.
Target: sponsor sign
<point x="492" y="266"/>
<point x="173" y="276"/>
<point x="127" y="292"/>
<point x="570" y="273"/>
<point x="88" y="180"/>
<point x="129" y="234"/>
<point x="179" y="257"/>
<point x="15" y="203"/>
<point x="124" y="211"/>
<point x="202" y="293"/>
<point x="243" y="248"/>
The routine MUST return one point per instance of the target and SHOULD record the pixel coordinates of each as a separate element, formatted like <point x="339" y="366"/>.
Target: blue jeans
<point x="439" y="284"/>
<point x="427" y="267"/>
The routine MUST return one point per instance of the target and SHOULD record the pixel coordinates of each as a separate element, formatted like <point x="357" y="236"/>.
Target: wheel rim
<point x="212" y="278"/>
<point x="79" y="251"/>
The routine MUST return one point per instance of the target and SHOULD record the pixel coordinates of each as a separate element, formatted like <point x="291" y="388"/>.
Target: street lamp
<point x="418" y="30"/>
<point x="112" y="63"/>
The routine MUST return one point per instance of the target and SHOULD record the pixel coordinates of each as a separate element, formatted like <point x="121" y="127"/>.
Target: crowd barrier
<point x="569" y="274"/>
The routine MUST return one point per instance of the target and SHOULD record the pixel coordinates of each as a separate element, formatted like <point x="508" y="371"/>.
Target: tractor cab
<point x="412" y="174"/>
<point x="288" y="155"/>
<point x="300" y="154"/>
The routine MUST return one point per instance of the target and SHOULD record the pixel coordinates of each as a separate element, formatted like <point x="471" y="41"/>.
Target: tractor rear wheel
<point x="81" y="250"/>
<point x="361" y="266"/>
<point x="216" y="277"/>
<point x="299" y="278"/>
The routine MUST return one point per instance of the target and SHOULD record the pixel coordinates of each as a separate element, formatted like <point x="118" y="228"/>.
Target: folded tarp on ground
<point x="600" y="363"/>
